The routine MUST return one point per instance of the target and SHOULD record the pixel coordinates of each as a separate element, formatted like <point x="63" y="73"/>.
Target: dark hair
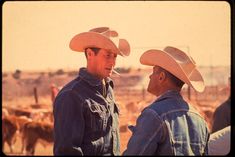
<point x="174" y="79"/>
<point x="94" y="49"/>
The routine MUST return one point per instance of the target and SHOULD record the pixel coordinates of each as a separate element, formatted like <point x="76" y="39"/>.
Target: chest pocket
<point x="96" y="117"/>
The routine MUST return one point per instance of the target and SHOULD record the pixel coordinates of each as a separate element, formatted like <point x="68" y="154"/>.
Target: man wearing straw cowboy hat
<point x="169" y="126"/>
<point x="85" y="112"/>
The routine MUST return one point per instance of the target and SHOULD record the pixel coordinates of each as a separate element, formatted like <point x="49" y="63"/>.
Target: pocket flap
<point x="116" y="108"/>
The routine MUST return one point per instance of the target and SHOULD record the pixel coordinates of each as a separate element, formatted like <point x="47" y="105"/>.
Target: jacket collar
<point x="169" y="94"/>
<point x="91" y="79"/>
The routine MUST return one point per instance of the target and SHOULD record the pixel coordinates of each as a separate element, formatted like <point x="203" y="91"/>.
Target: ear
<point x="162" y="76"/>
<point x="89" y="53"/>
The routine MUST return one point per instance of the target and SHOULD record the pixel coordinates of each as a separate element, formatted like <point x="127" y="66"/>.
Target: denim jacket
<point x="86" y="122"/>
<point x="169" y="126"/>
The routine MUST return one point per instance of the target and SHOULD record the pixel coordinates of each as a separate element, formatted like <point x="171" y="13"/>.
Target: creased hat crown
<point x="176" y="62"/>
<point x="100" y="37"/>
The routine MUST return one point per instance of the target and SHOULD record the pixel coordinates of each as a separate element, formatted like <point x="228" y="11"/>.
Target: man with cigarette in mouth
<point x="85" y="112"/>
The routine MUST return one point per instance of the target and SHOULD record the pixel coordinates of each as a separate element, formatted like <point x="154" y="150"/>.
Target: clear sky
<point x="36" y="34"/>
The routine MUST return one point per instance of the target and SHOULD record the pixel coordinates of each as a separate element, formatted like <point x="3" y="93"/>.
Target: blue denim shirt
<point x="86" y="122"/>
<point x="169" y="126"/>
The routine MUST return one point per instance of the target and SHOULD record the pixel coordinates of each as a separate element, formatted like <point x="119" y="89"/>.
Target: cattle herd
<point x="30" y="125"/>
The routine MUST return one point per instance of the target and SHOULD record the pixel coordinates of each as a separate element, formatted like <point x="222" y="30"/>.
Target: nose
<point x="113" y="61"/>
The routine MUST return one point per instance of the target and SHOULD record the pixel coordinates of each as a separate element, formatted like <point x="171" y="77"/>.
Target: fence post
<point x="217" y="92"/>
<point x="35" y="95"/>
<point x="143" y="92"/>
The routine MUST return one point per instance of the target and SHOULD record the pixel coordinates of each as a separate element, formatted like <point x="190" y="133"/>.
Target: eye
<point x="107" y="55"/>
<point x="110" y="55"/>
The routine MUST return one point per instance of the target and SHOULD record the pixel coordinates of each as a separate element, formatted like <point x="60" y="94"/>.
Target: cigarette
<point x="114" y="71"/>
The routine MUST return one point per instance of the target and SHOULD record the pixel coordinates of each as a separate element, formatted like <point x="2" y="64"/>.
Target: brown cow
<point x="19" y="111"/>
<point x="9" y="129"/>
<point x="33" y="131"/>
<point x="42" y="115"/>
<point x="5" y="112"/>
<point x="11" y="126"/>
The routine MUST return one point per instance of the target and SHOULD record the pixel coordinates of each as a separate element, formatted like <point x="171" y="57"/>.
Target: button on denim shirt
<point x="169" y="126"/>
<point x="86" y="122"/>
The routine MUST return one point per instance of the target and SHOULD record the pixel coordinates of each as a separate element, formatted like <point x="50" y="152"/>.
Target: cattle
<point x="19" y="111"/>
<point x="34" y="114"/>
<point x="21" y="121"/>
<point x="11" y="127"/>
<point x="5" y="112"/>
<point x="132" y="107"/>
<point x="42" y="115"/>
<point x="34" y="131"/>
<point x="123" y="128"/>
<point x="135" y="107"/>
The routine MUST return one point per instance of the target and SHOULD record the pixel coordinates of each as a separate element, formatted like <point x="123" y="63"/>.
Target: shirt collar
<point x="169" y="94"/>
<point x="91" y="79"/>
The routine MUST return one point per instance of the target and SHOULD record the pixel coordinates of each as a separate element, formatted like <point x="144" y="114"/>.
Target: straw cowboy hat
<point x="177" y="63"/>
<point x="101" y="37"/>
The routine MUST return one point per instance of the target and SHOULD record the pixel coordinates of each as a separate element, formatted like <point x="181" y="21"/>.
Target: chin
<point x="151" y="92"/>
<point x="109" y="74"/>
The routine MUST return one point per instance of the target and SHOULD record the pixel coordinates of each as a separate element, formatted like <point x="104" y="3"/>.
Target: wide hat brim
<point x="92" y="39"/>
<point x="160" y="58"/>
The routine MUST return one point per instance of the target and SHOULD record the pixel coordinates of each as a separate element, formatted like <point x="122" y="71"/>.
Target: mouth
<point x="109" y="69"/>
<point x="112" y="70"/>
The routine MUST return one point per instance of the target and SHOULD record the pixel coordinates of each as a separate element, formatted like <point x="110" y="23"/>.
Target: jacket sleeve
<point x="221" y="117"/>
<point x="219" y="142"/>
<point x="68" y="124"/>
<point x="146" y="135"/>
